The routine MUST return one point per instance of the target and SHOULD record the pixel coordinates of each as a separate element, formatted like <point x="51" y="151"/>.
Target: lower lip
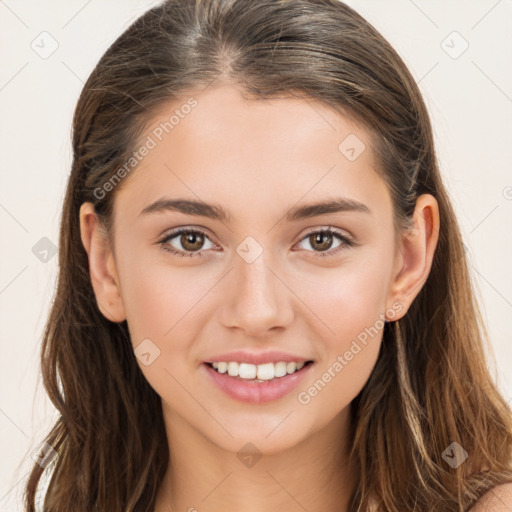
<point x="257" y="392"/>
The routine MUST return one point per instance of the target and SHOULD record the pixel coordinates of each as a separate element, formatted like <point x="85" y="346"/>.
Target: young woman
<point x="263" y="300"/>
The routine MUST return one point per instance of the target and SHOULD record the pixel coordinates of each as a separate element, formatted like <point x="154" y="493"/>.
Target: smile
<point x="257" y="384"/>
<point x="260" y="372"/>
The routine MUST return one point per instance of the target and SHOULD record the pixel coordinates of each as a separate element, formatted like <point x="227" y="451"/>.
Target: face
<point x="258" y="285"/>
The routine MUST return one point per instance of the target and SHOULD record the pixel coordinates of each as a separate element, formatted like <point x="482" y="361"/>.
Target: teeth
<point x="247" y="371"/>
<point x="232" y="369"/>
<point x="291" y="367"/>
<point x="261" y="372"/>
<point x="266" y="371"/>
<point x="280" y="369"/>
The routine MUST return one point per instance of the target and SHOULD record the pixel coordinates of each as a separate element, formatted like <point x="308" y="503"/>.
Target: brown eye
<point x="192" y="241"/>
<point x="323" y="239"/>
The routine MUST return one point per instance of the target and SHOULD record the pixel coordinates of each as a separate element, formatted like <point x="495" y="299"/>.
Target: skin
<point x="257" y="159"/>
<point x="498" y="499"/>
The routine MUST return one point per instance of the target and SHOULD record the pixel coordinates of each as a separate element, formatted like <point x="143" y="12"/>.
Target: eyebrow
<point x="217" y="212"/>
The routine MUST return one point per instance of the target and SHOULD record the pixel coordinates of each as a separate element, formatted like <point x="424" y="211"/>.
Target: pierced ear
<point x="416" y="253"/>
<point x="102" y="268"/>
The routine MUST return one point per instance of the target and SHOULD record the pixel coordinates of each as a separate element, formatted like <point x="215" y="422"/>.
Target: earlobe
<point x="102" y="268"/>
<point x="416" y="252"/>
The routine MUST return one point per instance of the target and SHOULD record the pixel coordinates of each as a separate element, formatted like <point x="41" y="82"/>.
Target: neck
<point x="313" y="475"/>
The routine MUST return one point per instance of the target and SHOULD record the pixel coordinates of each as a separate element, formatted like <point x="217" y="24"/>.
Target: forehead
<point x="222" y="147"/>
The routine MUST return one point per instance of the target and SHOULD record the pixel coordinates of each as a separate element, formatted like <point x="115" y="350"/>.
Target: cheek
<point x="350" y="349"/>
<point x="164" y="304"/>
<point x="159" y="305"/>
<point x="156" y="296"/>
<point x="349" y="299"/>
<point x="350" y="306"/>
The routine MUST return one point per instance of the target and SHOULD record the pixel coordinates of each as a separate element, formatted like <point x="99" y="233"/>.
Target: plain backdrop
<point x="458" y="51"/>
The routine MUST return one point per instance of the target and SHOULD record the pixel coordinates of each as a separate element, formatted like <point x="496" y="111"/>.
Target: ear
<point x="102" y="267"/>
<point x="415" y="255"/>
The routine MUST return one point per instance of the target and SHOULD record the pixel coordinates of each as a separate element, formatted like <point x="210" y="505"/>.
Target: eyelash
<point x="347" y="242"/>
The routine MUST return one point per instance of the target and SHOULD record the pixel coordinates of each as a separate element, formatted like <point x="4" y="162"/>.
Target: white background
<point x="469" y="98"/>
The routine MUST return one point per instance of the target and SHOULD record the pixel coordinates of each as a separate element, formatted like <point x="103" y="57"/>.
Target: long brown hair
<point x="430" y="387"/>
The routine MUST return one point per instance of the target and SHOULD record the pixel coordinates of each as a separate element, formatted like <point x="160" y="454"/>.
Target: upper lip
<point x="257" y="357"/>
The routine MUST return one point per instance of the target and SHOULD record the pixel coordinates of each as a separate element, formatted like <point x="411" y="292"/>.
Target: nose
<point x="258" y="299"/>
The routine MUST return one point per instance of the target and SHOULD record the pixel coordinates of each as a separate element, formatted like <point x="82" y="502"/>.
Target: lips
<point x="258" y="358"/>
<point x="264" y="386"/>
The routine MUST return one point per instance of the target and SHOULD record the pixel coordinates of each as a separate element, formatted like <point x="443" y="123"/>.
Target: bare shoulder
<point x="498" y="499"/>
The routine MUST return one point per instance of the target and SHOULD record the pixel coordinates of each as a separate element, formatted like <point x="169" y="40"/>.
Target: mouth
<point x="258" y="373"/>
<point x="257" y="384"/>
